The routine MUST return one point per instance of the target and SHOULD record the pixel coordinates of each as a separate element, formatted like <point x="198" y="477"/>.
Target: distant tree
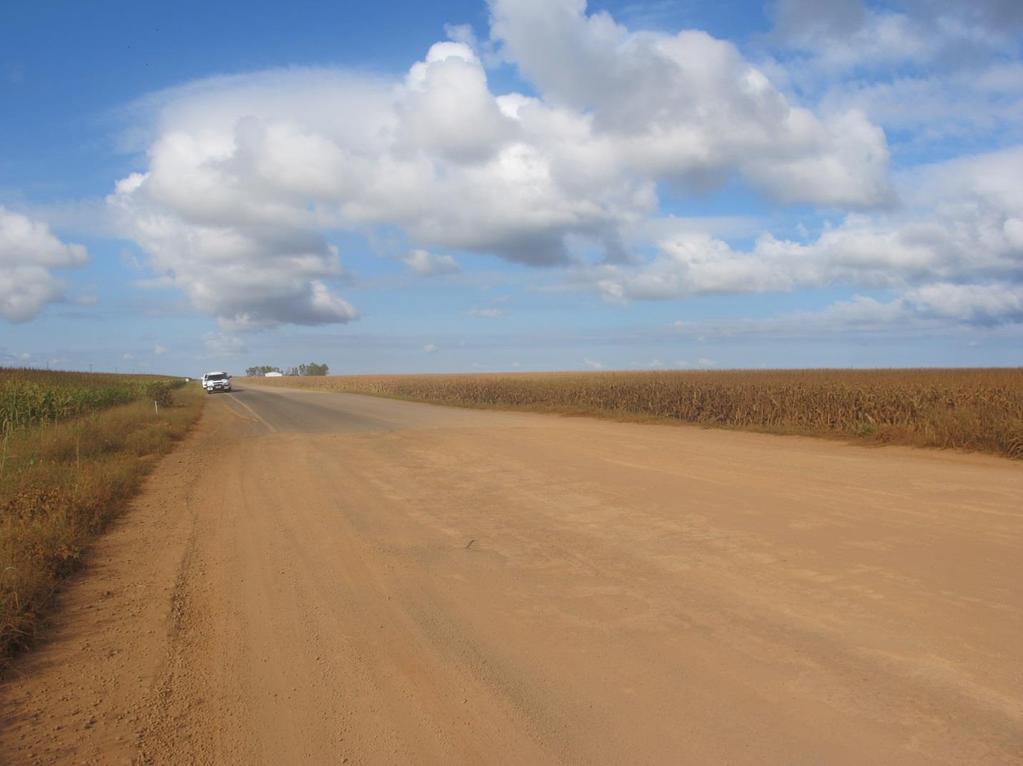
<point x="310" y="368"/>
<point x="316" y="369"/>
<point x="263" y="369"/>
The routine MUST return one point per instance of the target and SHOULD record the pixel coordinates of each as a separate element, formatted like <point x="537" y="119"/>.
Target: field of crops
<point x="31" y="397"/>
<point x="976" y="409"/>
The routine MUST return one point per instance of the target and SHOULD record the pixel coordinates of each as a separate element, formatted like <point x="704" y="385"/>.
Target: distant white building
<point x="273" y="375"/>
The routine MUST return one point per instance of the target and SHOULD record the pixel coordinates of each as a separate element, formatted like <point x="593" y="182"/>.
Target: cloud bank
<point x="955" y="247"/>
<point x="246" y="177"/>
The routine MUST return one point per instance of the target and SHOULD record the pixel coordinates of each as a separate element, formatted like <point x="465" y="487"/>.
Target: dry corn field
<point x="30" y="397"/>
<point x="973" y="409"/>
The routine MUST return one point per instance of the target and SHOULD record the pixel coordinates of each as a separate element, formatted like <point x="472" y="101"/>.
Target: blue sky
<point x="511" y="185"/>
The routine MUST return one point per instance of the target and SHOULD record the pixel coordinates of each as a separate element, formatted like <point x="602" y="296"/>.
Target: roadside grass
<point x="60" y="484"/>
<point x="970" y="409"/>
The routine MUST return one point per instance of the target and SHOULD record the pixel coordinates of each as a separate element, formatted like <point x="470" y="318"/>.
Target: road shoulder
<point x="87" y="690"/>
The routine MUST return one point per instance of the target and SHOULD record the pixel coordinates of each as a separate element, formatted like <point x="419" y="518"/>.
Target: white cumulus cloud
<point x="247" y="176"/>
<point x="957" y="244"/>
<point x="29" y="252"/>
<point x="427" y="264"/>
<point x="686" y="107"/>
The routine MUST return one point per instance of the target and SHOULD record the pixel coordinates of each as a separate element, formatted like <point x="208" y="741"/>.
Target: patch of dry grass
<point x="975" y="409"/>
<point x="60" y="484"/>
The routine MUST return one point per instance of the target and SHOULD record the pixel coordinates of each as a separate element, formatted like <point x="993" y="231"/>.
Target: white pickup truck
<point x="216" y="381"/>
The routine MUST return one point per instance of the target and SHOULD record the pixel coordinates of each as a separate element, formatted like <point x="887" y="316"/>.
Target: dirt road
<point x="318" y="577"/>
